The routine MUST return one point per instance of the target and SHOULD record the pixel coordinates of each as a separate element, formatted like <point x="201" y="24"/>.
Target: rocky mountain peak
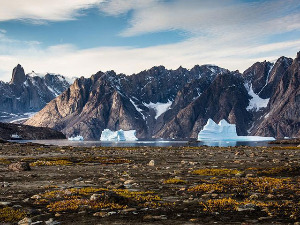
<point x="298" y="55"/>
<point x="18" y="75"/>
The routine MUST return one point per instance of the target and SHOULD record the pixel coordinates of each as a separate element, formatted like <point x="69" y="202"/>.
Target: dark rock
<point x="19" y="166"/>
<point x="18" y="75"/>
<point x="28" y="132"/>
<point x="282" y="117"/>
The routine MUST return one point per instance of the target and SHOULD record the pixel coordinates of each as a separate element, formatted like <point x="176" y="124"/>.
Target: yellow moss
<point x="66" y="205"/>
<point x="9" y="214"/>
<point x="279" y="170"/>
<point x="138" y="195"/>
<point x="104" y="205"/>
<point x="220" y="205"/>
<point x="5" y="161"/>
<point x="51" y="163"/>
<point x="245" y="185"/>
<point x="216" y="172"/>
<point x="207" y="187"/>
<point x="175" y="181"/>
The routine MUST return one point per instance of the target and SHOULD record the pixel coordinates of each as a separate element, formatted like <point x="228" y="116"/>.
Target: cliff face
<point x="161" y="103"/>
<point x="110" y="101"/>
<point x="282" y="117"/>
<point x="226" y="98"/>
<point x="28" y="93"/>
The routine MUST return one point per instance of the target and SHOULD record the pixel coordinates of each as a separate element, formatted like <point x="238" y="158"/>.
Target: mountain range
<point x="161" y="103"/>
<point x="27" y="94"/>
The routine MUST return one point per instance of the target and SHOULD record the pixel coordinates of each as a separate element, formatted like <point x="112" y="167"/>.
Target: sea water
<point x="154" y="143"/>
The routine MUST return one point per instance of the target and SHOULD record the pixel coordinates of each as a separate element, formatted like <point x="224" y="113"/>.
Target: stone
<point x="5" y="203"/>
<point x="36" y="197"/>
<point x="129" y="210"/>
<point x="95" y="197"/>
<point x="254" y="196"/>
<point x="151" y="163"/>
<point x="247" y="207"/>
<point x="51" y="221"/>
<point x="25" y="221"/>
<point x="19" y="166"/>
<point x="128" y="182"/>
<point x="153" y="218"/>
<point x="100" y="214"/>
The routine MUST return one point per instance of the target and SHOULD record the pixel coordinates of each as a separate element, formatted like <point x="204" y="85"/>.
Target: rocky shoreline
<point x="149" y="185"/>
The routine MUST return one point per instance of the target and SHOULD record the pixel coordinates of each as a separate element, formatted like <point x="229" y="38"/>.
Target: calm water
<point x="157" y="143"/>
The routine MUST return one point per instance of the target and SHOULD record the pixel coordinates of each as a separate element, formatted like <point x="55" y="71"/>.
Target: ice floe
<point x="225" y="132"/>
<point x="120" y="135"/>
<point x="77" y="138"/>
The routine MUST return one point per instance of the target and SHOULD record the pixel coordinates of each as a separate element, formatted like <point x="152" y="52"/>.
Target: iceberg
<point x="120" y="135"/>
<point x="77" y="138"/>
<point x="225" y="132"/>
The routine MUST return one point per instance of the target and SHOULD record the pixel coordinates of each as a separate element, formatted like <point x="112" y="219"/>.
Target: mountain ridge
<point x="184" y="98"/>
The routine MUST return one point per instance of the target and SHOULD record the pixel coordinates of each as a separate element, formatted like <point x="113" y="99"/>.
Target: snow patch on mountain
<point x="256" y="103"/>
<point x="159" y="107"/>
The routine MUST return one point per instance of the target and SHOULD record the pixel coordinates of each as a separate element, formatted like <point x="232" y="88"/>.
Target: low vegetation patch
<point x="95" y="198"/>
<point x="9" y="214"/>
<point x="175" y="181"/>
<point x="216" y="172"/>
<point x="5" y="161"/>
<point x="246" y="185"/>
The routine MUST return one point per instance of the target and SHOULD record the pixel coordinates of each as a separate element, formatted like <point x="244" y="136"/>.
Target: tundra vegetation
<point x="106" y="184"/>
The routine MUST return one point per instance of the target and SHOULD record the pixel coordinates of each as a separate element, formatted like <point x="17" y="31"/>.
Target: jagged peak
<point x="18" y="75"/>
<point x="284" y="59"/>
<point x="298" y="55"/>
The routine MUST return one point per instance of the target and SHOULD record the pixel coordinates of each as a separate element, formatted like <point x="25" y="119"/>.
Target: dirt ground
<point x="150" y="185"/>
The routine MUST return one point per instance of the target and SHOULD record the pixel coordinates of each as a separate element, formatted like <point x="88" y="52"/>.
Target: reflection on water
<point x="155" y="143"/>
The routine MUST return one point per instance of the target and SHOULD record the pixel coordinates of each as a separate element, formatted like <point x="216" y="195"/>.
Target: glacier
<point x="77" y="138"/>
<point x="225" y="132"/>
<point x="120" y="135"/>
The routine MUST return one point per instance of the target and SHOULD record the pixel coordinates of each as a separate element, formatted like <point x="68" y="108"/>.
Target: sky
<point x="80" y="37"/>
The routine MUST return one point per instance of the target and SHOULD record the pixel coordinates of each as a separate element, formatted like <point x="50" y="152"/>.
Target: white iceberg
<point x="225" y="132"/>
<point x="77" y="138"/>
<point x="120" y="135"/>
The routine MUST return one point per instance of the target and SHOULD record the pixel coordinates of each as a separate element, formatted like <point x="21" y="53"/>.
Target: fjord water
<point x="154" y="143"/>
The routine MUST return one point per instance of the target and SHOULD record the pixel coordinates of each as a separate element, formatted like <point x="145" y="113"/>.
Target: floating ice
<point x="120" y="135"/>
<point x="225" y="132"/>
<point x="77" y="138"/>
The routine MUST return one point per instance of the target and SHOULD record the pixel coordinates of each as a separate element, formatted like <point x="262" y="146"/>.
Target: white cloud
<point x="209" y="18"/>
<point x="70" y="61"/>
<point x="41" y="10"/>
<point x="230" y="33"/>
<point x="116" y="7"/>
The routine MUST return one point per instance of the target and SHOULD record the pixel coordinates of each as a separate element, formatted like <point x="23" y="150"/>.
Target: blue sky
<point x="81" y="37"/>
